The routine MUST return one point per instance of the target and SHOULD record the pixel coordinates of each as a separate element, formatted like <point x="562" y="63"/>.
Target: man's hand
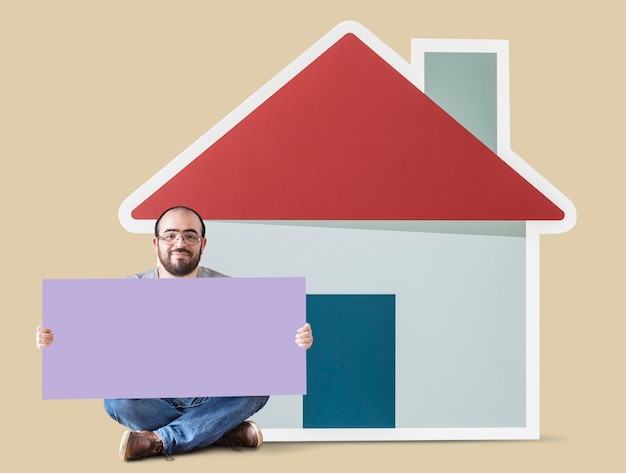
<point x="304" y="336"/>
<point x="44" y="337"/>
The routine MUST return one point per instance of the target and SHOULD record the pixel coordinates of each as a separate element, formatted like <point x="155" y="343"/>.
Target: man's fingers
<point x="44" y="337"/>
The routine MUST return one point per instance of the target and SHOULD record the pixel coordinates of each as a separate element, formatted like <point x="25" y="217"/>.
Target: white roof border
<point x="413" y="71"/>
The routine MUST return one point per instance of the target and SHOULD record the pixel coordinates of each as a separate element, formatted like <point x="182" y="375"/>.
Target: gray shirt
<point x="154" y="274"/>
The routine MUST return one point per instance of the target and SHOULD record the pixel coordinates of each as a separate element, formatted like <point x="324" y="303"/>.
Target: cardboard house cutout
<point x="419" y="241"/>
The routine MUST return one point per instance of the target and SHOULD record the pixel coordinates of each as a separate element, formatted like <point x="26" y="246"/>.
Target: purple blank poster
<point x="139" y="338"/>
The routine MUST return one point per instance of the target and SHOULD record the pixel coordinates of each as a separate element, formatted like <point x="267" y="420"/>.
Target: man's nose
<point x="180" y="242"/>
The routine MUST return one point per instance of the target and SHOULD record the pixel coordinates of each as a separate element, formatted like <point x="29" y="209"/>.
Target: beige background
<point x="98" y="96"/>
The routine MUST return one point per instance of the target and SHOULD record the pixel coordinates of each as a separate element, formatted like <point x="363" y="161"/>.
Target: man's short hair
<point x="179" y="207"/>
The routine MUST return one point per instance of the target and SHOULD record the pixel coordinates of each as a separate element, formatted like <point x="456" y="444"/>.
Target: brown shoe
<point x="139" y="444"/>
<point x="246" y="434"/>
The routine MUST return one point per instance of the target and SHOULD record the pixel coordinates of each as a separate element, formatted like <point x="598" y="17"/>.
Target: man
<point x="172" y="426"/>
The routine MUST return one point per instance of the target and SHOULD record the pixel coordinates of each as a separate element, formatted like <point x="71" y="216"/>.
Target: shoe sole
<point x="124" y="444"/>
<point x="257" y="430"/>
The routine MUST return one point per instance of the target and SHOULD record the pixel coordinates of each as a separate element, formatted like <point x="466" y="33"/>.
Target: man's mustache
<point x="180" y="250"/>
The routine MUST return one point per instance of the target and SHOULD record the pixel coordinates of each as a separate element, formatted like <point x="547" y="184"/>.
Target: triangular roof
<point x="343" y="133"/>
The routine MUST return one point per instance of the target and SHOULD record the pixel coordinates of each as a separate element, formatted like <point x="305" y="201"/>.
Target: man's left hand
<point x="304" y="336"/>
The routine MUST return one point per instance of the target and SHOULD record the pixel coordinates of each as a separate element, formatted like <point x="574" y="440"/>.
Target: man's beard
<point x="179" y="267"/>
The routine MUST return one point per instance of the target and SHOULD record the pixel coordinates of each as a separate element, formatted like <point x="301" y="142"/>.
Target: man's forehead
<point x="180" y="219"/>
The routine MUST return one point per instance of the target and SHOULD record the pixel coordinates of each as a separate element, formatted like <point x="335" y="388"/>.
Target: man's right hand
<point x="44" y="337"/>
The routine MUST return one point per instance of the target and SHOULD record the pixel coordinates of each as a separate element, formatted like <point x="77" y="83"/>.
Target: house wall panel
<point x="460" y="310"/>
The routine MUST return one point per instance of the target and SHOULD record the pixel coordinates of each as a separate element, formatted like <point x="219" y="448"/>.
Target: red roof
<point x="350" y="138"/>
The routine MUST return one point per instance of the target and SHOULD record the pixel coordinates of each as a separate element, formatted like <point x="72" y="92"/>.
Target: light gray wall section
<point x="461" y="343"/>
<point x="460" y="314"/>
<point x="281" y="412"/>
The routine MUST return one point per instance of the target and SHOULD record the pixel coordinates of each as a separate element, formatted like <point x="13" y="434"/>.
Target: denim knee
<point x="110" y="406"/>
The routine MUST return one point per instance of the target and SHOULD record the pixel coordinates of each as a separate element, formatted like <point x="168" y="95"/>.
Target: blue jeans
<point x="184" y="424"/>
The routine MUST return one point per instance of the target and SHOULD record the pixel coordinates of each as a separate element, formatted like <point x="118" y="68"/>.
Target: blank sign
<point x="142" y="338"/>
